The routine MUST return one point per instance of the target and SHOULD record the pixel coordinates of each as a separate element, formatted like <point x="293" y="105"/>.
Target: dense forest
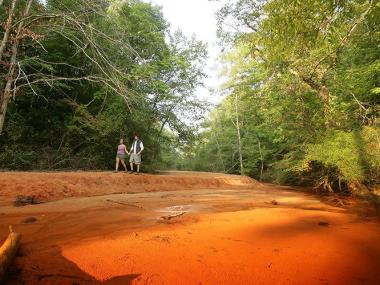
<point x="301" y="95"/>
<point x="77" y="75"/>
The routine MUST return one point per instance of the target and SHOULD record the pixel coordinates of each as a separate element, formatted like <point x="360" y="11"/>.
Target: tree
<point x="306" y="75"/>
<point x="70" y="23"/>
<point x="303" y="39"/>
<point x="97" y="71"/>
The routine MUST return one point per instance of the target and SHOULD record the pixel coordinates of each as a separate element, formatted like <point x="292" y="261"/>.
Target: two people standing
<point x="134" y="153"/>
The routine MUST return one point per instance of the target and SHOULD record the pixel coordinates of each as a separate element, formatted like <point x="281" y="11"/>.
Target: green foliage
<point x="306" y="75"/>
<point x="339" y="150"/>
<point x="148" y="79"/>
<point x="344" y="157"/>
<point x="301" y="98"/>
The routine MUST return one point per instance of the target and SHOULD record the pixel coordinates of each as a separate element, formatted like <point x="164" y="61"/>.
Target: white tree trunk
<point x="8" y="86"/>
<point x="262" y="160"/>
<point x="238" y="135"/>
<point x="7" y="28"/>
<point x="3" y="111"/>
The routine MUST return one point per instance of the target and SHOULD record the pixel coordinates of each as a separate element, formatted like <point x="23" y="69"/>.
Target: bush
<point x="16" y="158"/>
<point x="342" y="160"/>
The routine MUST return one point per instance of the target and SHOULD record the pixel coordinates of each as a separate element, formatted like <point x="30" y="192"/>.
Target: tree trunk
<point x="325" y="97"/>
<point x="3" y="110"/>
<point x="7" y="28"/>
<point x="220" y="153"/>
<point x="7" y="91"/>
<point x="8" y="86"/>
<point x="262" y="160"/>
<point x="238" y="135"/>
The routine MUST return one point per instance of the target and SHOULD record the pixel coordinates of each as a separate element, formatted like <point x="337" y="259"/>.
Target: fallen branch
<point x="273" y="202"/>
<point x="337" y="201"/>
<point x="169" y="217"/>
<point x="124" y="204"/>
<point x="8" y="251"/>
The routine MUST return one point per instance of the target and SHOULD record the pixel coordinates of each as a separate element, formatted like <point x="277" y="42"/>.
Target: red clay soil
<point x="53" y="186"/>
<point x="210" y="229"/>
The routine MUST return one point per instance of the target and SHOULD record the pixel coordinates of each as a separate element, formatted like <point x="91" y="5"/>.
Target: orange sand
<point x="50" y="186"/>
<point x="223" y="236"/>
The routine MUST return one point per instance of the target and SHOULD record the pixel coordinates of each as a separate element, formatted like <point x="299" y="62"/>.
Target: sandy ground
<point x="183" y="228"/>
<point x="58" y="185"/>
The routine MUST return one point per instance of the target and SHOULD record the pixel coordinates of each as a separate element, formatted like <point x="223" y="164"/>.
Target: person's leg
<point x="117" y="163"/>
<point x="123" y="163"/>
<point x="131" y="162"/>
<point x="138" y="162"/>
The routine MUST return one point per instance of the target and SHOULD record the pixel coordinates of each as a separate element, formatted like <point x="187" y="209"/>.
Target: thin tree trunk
<point x="8" y="87"/>
<point x="162" y="127"/>
<point x="262" y="160"/>
<point x="7" y="91"/>
<point x="238" y="135"/>
<point x="159" y="136"/>
<point x="3" y="110"/>
<point x="7" y="28"/>
<point x="325" y="97"/>
<point x="219" y="153"/>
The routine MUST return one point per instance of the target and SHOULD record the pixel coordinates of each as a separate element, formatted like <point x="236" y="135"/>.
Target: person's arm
<point x="125" y="149"/>
<point x="141" y="147"/>
<point x="131" y="149"/>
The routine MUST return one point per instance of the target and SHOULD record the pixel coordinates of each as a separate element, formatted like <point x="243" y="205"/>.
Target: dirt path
<point x="183" y="228"/>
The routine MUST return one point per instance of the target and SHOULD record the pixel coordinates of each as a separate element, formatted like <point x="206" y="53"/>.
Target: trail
<point x="183" y="228"/>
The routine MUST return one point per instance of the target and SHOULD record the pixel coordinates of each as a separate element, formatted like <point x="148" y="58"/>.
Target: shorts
<point x="135" y="158"/>
<point x="120" y="156"/>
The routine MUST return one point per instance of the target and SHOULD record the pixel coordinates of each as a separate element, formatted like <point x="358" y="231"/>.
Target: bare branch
<point x="15" y="82"/>
<point x="28" y="83"/>
<point x="8" y="86"/>
<point x="37" y="59"/>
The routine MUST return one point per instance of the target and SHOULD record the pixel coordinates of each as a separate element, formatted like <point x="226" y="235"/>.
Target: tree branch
<point x="344" y="40"/>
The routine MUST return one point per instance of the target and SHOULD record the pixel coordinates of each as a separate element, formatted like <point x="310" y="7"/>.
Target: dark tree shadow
<point x="50" y="267"/>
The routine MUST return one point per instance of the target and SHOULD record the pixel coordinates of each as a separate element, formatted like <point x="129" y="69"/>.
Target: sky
<point x="197" y="17"/>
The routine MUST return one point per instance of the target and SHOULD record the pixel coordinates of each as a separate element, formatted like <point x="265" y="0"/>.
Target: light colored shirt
<point x="134" y="148"/>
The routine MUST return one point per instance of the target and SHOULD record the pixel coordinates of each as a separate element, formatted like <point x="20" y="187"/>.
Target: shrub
<point x="342" y="160"/>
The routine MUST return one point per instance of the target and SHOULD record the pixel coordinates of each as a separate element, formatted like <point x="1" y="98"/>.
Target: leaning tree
<point x="28" y="24"/>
